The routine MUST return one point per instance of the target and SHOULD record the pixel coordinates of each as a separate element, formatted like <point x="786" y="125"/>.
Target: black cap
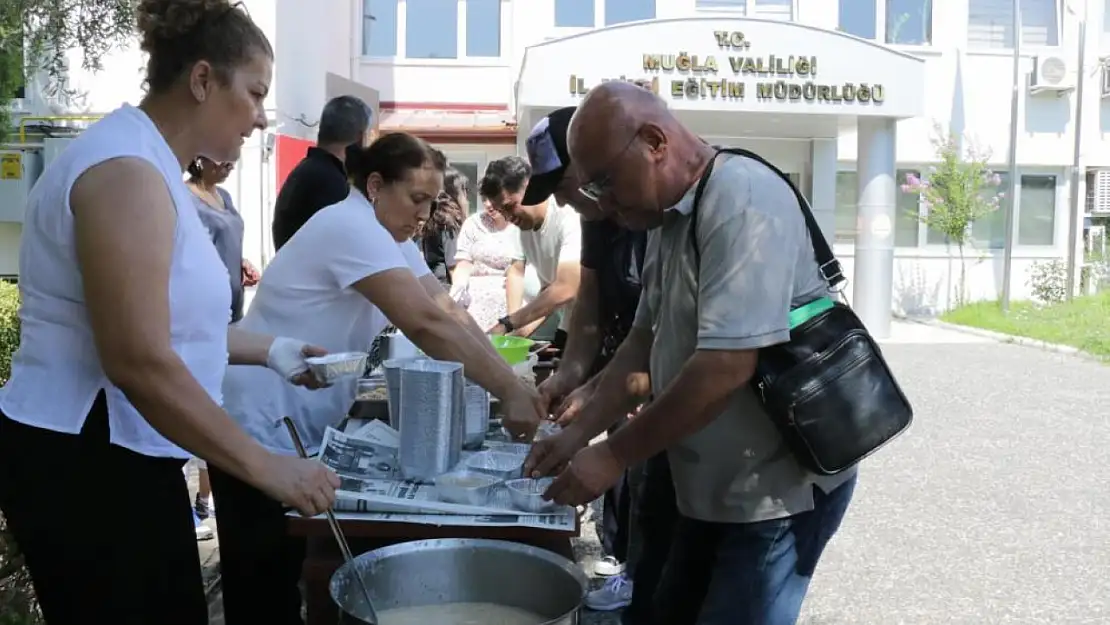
<point x="548" y="156"/>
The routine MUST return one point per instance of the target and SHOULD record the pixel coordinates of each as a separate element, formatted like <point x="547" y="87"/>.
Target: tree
<point x="36" y="36"/>
<point x="956" y="193"/>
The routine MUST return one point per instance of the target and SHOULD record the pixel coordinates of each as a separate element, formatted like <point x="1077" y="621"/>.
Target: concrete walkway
<point x="989" y="511"/>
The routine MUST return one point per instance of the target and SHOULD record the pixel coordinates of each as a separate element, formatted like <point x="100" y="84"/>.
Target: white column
<point x="822" y="185"/>
<point x="874" y="261"/>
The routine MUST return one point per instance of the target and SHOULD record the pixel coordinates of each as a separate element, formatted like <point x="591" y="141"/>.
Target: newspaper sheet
<point x="366" y="461"/>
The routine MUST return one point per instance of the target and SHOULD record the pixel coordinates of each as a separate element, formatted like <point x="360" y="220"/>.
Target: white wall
<point x="965" y="89"/>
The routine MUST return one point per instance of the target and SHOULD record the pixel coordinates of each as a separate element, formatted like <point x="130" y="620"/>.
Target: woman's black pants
<point x="137" y="566"/>
<point x="260" y="564"/>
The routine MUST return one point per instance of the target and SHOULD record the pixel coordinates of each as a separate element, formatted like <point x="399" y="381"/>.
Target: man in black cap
<point x="608" y="295"/>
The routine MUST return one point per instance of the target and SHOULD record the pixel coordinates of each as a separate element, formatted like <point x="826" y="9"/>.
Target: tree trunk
<point x="962" y="296"/>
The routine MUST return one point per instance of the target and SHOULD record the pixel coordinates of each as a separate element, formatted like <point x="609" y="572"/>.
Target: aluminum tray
<point x="466" y="487"/>
<point x="526" y="494"/>
<point x="335" y="367"/>
<point x="498" y="464"/>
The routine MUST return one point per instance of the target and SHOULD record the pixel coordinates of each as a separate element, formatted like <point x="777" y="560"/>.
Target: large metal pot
<point x="455" y="570"/>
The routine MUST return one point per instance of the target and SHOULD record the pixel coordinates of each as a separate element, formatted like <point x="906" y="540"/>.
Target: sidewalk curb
<point x="1006" y="338"/>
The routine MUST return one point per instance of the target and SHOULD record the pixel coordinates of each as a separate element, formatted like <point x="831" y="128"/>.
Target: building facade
<point x="846" y="96"/>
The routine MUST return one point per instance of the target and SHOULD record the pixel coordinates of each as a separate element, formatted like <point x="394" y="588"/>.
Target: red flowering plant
<point x="955" y="193"/>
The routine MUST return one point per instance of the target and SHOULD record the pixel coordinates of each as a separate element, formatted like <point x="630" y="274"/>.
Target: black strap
<point x="828" y="264"/>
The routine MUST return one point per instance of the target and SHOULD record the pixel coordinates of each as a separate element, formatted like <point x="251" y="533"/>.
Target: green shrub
<point x="9" y="327"/>
<point x="17" y="597"/>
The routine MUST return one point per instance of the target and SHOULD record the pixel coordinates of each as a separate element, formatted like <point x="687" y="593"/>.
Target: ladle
<point x="371" y="615"/>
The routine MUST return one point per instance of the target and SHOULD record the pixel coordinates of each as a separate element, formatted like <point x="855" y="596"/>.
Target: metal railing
<point x="24" y="121"/>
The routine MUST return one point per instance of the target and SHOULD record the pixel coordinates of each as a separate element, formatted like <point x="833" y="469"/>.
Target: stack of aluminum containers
<point x="433" y="426"/>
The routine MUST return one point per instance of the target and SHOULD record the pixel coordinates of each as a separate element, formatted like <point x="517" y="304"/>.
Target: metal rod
<point x="336" y="530"/>
<point x="1011" y="193"/>
<point x="1076" y="168"/>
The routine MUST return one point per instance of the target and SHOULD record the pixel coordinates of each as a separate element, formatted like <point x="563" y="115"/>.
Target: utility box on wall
<point x="19" y="169"/>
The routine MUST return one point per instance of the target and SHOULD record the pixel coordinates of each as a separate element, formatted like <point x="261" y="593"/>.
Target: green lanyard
<point x="802" y="314"/>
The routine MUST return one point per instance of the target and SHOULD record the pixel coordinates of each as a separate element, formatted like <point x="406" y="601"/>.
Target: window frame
<point x="928" y="249"/>
<point x="748" y="10"/>
<point x="899" y="169"/>
<point x="471" y="157"/>
<point x="602" y="4"/>
<point x="401" y="59"/>
<point x="1025" y="249"/>
<point x="1059" y="10"/>
<point x="874" y="4"/>
<point x="881" y="27"/>
<point x="599" y="15"/>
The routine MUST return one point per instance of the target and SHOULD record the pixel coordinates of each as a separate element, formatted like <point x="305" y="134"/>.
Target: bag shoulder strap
<point x="829" y="266"/>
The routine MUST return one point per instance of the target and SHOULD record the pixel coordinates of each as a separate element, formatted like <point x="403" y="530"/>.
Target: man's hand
<point x="554" y="390"/>
<point x="550" y="455"/>
<point x="591" y="472"/>
<point x="497" y="330"/>
<point x="524" y="411"/>
<point x="567" y="412"/>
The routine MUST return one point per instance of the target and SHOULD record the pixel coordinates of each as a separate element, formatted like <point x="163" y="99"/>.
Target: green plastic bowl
<point x="514" y="349"/>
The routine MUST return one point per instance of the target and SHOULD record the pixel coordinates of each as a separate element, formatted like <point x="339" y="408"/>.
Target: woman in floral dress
<point x="483" y="254"/>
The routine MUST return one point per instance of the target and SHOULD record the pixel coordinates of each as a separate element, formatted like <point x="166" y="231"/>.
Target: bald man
<point x="753" y="521"/>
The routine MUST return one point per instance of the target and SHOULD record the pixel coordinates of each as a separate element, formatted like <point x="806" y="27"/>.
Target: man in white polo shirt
<point x="550" y="241"/>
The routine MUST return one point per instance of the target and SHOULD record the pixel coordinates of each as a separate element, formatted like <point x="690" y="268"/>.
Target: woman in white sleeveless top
<point x="125" y="338"/>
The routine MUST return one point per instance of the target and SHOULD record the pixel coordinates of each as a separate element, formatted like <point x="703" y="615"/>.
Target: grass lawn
<point x="1083" y="323"/>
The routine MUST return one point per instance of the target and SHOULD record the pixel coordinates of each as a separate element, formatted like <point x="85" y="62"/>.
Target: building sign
<point x="11" y="166"/>
<point x="735" y="74"/>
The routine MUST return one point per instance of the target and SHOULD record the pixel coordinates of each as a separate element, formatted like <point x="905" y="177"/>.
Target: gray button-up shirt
<point x="756" y="264"/>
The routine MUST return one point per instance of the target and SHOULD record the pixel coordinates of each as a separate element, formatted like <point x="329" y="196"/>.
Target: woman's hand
<point x="305" y="485"/>
<point x="250" y="274"/>
<point x="287" y="357"/>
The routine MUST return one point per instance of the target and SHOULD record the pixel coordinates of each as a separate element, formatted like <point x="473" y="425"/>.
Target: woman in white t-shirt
<point x="347" y="273"/>
<point x="124" y="338"/>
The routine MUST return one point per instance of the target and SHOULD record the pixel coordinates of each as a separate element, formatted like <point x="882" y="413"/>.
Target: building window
<point x="432" y="29"/>
<point x="739" y="7"/>
<point x="379" y="27"/>
<point x="483" y="28"/>
<point x="909" y="22"/>
<point x="1106" y="24"/>
<point x="906" y="209"/>
<point x="775" y="9"/>
<point x="990" y="231"/>
<point x="574" y="13"/>
<point x="621" y="11"/>
<point x="858" y="18"/>
<point x="470" y="170"/>
<point x="1037" y="210"/>
<point x="990" y="23"/>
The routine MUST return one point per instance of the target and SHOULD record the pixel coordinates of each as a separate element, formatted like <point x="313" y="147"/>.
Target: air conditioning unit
<point x="1051" y="74"/>
<point x="1098" y="192"/>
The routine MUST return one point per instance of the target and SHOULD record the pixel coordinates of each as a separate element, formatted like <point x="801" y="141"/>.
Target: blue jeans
<point x="747" y="573"/>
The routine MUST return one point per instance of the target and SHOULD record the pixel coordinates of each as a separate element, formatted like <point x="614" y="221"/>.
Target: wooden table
<point x="322" y="555"/>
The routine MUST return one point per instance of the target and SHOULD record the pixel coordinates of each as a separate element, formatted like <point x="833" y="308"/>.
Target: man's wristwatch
<point x="507" y="323"/>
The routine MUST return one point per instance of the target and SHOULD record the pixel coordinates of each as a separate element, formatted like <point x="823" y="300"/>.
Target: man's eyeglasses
<point x="602" y="184"/>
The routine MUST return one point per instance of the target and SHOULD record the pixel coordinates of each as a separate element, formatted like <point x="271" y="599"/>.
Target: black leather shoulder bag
<point x="828" y="390"/>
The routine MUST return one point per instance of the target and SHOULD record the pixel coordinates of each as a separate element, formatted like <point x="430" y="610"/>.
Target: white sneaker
<point x="608" y="567"/>
<point x="615" y="594"/>
<point x="203" y="531"/>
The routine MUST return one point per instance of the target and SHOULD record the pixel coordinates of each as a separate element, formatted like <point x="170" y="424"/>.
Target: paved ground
<point x="988" y="511"/>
